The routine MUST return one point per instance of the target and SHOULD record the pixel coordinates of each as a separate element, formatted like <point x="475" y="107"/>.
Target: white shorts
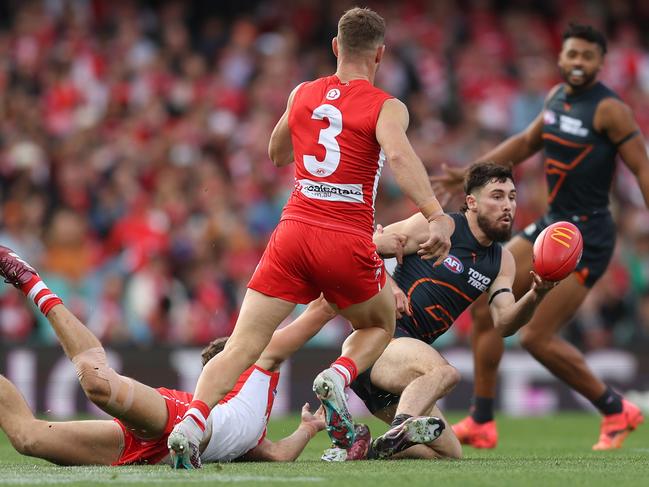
<point x="238" y="422"/>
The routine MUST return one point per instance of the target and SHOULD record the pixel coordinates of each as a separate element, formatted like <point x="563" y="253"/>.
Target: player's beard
<point x="588" y="78"/>
<point x="494" y="231"/>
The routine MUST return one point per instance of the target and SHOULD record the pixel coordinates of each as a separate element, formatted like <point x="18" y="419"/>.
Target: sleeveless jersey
<point x="579" y="161"/>
<point x="438" y="295"/>
<point x="338" y="160"/>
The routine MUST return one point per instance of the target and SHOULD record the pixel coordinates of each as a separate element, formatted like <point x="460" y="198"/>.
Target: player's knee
<point x="95" y="387"/>
<point x="481" y="318"/>
<point x="531" y="340"/>
<point x="452" y="375"/>
<point x="26" y="439"/>
<point x="101" y="384"/>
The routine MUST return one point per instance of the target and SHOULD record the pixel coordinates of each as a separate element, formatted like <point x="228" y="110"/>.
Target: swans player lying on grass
<point x="144" y="416"/>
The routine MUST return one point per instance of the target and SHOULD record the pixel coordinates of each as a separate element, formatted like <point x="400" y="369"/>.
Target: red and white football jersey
<point x="338" y="160"/>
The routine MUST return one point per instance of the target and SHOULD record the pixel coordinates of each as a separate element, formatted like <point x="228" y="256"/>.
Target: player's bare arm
<point x="412" y="231"/>
<point x="411" y="177"/>
<point x="280" y="147"/>
<point x="288" y="340"/>
<point x="514" y="150"/>
<point x="289" y="448"/>
<point x="508" y="314"/>
<point x="615" y="118"/>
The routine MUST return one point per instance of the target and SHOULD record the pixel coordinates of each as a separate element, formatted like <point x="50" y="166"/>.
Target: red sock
<point x="37" y="291"/>
<point x="346" y="368"/>
<point x="198" y="411"/>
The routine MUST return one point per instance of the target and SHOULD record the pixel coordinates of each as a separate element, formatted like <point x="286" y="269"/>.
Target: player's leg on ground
<point x="373" y="322"/>
<point x="117" y="395"/>
<point x="140" y="407"/>
<point x="62" y="443"/>
<point x="567" y="363"/>
<point x="445" y="446"/>
<point x="420" y="375"/>
<point x="479" y="430"/>
<point x="259" y="317"/>
<point x="415" y="371"/>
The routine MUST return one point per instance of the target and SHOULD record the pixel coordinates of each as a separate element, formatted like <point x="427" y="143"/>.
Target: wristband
<point x="431" y="210"/>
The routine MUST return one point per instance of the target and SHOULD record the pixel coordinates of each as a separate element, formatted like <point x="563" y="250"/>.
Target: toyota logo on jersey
<point x="453" y="264"/>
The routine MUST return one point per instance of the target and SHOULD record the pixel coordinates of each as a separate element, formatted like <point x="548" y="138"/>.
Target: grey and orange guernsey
<point x="579" y="167"/>
<point x="437" y="295"/>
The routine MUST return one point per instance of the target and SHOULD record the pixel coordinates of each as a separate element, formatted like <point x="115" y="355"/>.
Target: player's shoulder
<point x="553" y="92"/>
<point x="611" y="105"/>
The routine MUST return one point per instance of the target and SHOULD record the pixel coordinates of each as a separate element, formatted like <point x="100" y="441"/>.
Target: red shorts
<point x="301" y="261"/>
<point x="138" y="451"/>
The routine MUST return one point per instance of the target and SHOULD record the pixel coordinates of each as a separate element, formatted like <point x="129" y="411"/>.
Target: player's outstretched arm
<point x="291" y="338"/>
<point x="412" y="178"/>
<point x="289" y="448"/>
<point x="616" y="119"/>
<point x="513" y="150"/>
<point x="280" y="146"/>
<point x="508" y="314"/>
<point x="403" y="237"/>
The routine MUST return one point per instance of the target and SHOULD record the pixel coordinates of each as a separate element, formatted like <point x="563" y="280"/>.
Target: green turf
<point x="551" y="451"/>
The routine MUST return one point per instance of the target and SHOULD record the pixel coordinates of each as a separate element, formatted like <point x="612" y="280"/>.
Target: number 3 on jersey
<point x="327" y="139"/>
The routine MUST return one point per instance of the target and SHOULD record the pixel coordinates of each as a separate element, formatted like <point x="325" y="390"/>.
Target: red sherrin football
<point x="557" y="251"/>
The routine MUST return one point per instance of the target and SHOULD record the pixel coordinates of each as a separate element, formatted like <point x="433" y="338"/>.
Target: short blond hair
<point x="360" y="30"/>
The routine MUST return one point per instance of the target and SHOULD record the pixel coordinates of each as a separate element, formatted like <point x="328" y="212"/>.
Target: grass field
<point x="551" y="451"/>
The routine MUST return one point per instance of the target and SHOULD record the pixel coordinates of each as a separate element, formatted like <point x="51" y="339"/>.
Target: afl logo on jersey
<point x="453" y="264"/>
<point x="549" y="117"/>
<point x="333" y="94"/>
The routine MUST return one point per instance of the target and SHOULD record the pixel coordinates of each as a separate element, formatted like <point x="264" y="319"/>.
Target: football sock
<point x="400" y="418"/>
<point x="483" y="409"/>
<point x="346" y="368"/>
<point x="37" y="291"/>
<point x="609" y="403"/>
<point x="195" y="420"/>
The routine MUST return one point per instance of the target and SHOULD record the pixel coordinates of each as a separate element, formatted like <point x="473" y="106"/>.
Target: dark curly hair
<point x="587" y="33"/>
<point x="482" y="173"/>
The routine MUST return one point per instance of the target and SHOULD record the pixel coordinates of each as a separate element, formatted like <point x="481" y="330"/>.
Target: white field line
<point x="43" y="478"/>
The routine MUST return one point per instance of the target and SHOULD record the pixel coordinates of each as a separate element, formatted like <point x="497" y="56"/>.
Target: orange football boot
<point x="477" y="435"/>
<point x="616" y="427"/>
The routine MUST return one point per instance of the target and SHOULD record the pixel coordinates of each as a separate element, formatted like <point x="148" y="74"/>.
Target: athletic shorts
<point x="598" y="232"/>
<point x="301" y="261"/>
<point x="149" y="452"/>
<point x="375" y="398"/>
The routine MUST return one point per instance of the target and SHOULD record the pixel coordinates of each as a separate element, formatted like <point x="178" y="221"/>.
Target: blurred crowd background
<point x="133" y="145"/>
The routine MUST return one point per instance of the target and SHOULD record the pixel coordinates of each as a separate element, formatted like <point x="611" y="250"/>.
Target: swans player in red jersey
<point x="144" y="416"/>
<point x="338" y="130"/>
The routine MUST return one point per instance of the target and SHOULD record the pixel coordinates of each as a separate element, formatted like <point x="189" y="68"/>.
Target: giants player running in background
<point x="338" y="130"/>
<point x="582" y="128"/>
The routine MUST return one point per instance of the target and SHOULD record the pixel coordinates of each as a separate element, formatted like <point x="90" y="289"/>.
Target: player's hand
<point x="449" y="183"/>
<point x="400" y="300"/>
<point x="315" y="422"/>
<point x="389" y="244"/>
<point x="540" y="286"/>
<point x="439" y="243"/>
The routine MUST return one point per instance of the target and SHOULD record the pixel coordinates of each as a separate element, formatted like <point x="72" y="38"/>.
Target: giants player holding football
<point x="582" y="128"/>
<point x="338" y="130"/>
<point x="405" y="383"/>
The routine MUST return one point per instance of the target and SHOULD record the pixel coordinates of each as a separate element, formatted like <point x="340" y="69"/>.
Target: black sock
<point x="483" y="409"/>
<point x="400" y="418"/>
<point x="609" y="403"/>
